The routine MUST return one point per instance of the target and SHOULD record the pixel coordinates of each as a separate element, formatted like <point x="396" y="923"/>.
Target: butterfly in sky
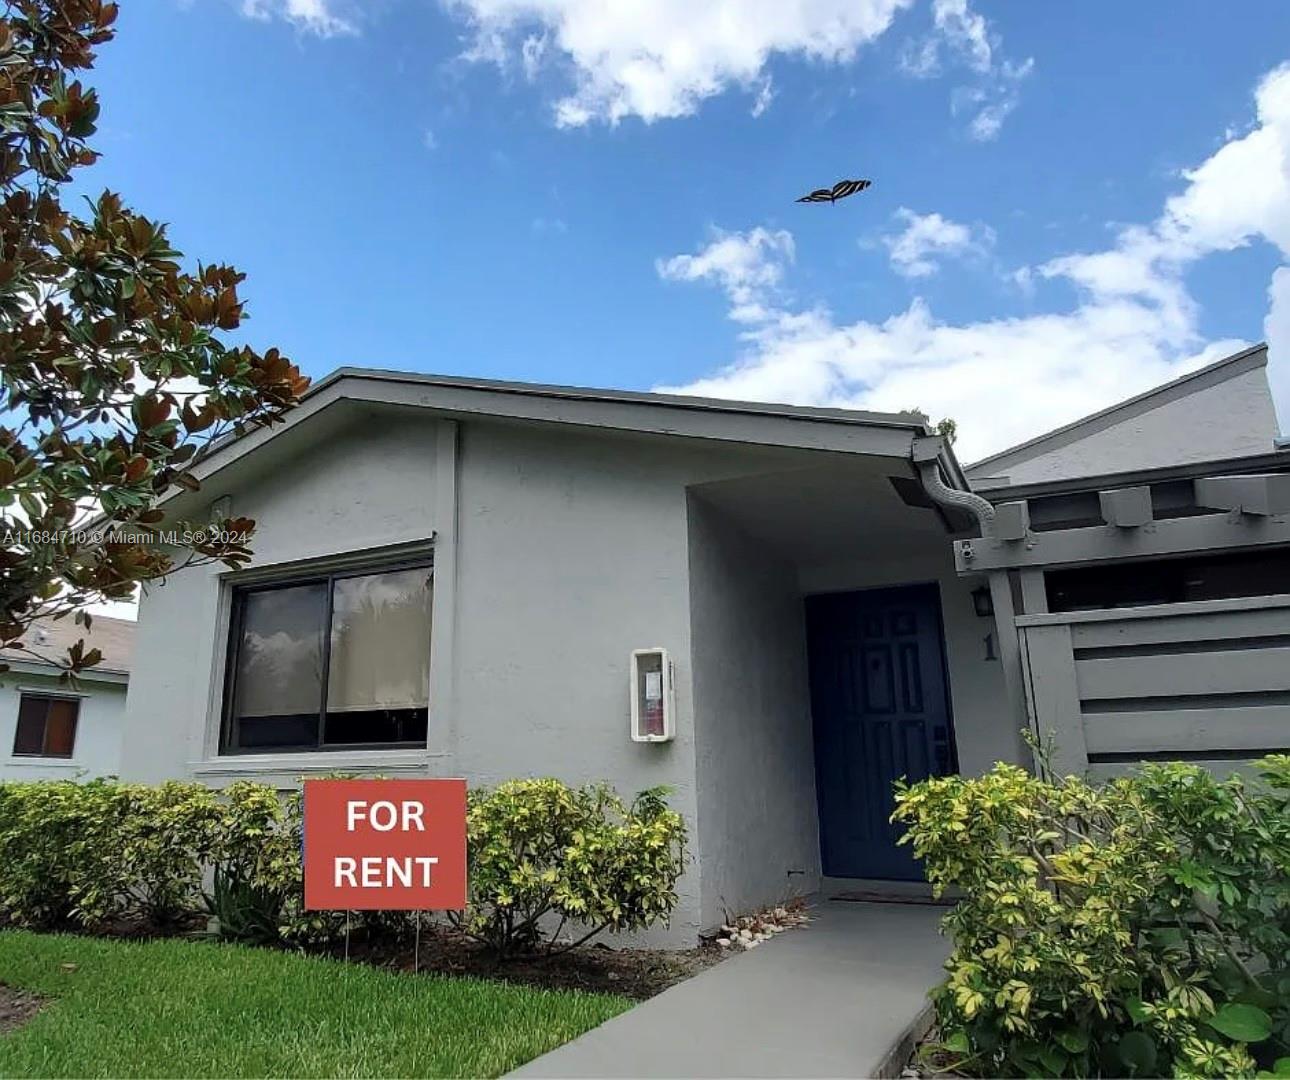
<point x="840" y="190"/>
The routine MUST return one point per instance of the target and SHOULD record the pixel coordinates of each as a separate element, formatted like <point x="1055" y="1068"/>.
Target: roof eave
<point x="756" y="423"/>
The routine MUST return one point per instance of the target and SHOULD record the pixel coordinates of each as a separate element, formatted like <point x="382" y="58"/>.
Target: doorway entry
<point x="880" y="711"/>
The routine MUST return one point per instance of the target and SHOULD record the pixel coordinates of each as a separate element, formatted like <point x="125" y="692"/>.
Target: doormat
<point x="863" y="897"/>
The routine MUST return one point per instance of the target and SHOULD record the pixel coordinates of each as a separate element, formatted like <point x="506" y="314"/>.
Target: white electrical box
<point x="653" y="696"/>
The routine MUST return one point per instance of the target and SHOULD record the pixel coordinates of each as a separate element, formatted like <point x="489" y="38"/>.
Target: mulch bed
<point x="927" y="1062"/>
<point x="633" y="973"/>
<point x="17" y="1007"/>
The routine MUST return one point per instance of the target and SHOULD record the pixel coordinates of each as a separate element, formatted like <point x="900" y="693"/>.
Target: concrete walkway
<point x="829" y="999"/>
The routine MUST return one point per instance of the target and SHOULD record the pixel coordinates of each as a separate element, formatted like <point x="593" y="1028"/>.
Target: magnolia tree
<point x="114" y="377"/>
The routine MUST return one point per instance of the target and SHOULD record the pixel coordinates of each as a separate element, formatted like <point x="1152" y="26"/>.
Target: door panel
<point x="880" y="711"/>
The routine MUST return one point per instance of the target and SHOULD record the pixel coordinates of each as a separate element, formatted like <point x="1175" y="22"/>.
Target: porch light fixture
<point x="982" y="604"/>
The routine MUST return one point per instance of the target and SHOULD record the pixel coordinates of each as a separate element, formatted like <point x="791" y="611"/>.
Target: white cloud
<point x="993" y="102"/>
<point x="662" y="59"/>
<point x="965" y="31"/>
<point x="429" y="140"/>
<point x="964" y="35"/>
<point x="532" y="53"/>
<point x="765" y="95"/>
<point x="1132" y="325"/>
<point x="748" y="266"/>
<point x="312" y="16"/>
<point x="928" y="237"/>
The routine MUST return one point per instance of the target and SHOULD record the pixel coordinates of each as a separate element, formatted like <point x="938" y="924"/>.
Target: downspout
<point x="926" y="454"/>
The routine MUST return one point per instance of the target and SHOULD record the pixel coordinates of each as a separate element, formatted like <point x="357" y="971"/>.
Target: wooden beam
<point x="1034" y="592"/>
<point x="1054" y="697"/>
<point x="1263" y="494"/>
<point x="1011" y="521"/>
<point x="1005" y="625"/>
<point x="1126" y="508"/>
<point x="1106" y="543"/>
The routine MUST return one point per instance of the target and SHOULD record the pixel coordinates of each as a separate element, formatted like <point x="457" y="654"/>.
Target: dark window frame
<point x="229" y="730"/>
<point x="46" y="697"/>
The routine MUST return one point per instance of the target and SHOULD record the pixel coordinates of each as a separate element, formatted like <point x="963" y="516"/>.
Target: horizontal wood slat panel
<point x="1181" y="628"/>
<point x="1256" y="728"/>
<point x="1100" y="770"/>
<point x="1183" y="673"/>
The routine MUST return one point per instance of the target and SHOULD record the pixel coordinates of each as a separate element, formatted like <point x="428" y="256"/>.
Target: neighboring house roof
<point x="1000" y="490"/>
<point x="1128" y="436"/>
<point x="47" y="642"/>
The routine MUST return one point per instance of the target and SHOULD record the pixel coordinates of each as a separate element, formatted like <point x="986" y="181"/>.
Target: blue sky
<point x="1070" y="202"/>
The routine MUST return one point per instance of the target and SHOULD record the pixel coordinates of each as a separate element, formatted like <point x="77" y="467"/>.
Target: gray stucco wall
<point x="557" y="551"/>
<point x="347" y="494"/>
<point x="1231" y="419"/>
<point x="572" y="553"/>
<point x="97" y="747"/>
<point x="758" y="841"/>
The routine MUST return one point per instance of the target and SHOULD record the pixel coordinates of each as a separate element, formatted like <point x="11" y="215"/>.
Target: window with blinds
<point x="338" y="661"/>
<point x="46" y="726"/>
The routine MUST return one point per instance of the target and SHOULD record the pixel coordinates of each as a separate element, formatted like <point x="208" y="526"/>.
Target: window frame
<point x="47" y="697"/>
<point x="229" y="725"/>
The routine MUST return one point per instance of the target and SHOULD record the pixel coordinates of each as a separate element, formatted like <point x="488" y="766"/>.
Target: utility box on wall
<point x="653" y="693"/>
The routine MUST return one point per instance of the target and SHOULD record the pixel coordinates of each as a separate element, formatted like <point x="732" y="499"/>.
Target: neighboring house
<point x="1139" y="567"/>
<point x="51" y="729"/>
<point x="466" y="578"/>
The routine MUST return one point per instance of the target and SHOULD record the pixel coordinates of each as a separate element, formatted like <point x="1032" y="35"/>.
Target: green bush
<point x="543" y="856"/>
<point x="78" y="855"/>
<point x="75" y="854"/>
<point x="166" y="835"/>
<point x="265" y="850"/>
<point x="1137" y="928"/>
<point x="51" y="867"/>
<point x="256" y="864"/>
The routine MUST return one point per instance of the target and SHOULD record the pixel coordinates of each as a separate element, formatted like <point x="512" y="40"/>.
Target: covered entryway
<point x="830" y="586"/>
<point x="880" y="711"/>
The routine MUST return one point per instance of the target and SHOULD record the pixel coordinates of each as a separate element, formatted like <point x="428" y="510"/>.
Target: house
<point x="1139" y="567"/>
<point x="51" y="729"/>
<point x="776" y="611"/>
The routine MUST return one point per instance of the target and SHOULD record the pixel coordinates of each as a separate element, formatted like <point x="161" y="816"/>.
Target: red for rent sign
<point x="395" y="845"/>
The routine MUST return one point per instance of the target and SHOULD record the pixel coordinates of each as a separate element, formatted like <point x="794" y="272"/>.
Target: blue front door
<point x="880" y="711"/>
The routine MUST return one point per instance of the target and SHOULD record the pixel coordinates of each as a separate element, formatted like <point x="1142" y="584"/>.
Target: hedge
<point x="89" y="855"/>
<point x="1141" y="927"/>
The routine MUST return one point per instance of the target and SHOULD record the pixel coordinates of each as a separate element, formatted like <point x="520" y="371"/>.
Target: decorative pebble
<point x="749" y="930"/>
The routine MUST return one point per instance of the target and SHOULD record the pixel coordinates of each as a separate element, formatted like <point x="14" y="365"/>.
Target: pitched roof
<point x="1194" y="381"/>
<point x="49" y="640"/>
<point x="671" y="415"/>
<point x="559" y="392"/>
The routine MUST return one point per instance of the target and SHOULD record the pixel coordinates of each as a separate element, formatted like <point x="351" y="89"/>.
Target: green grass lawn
<point x="180" y="1008"/>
